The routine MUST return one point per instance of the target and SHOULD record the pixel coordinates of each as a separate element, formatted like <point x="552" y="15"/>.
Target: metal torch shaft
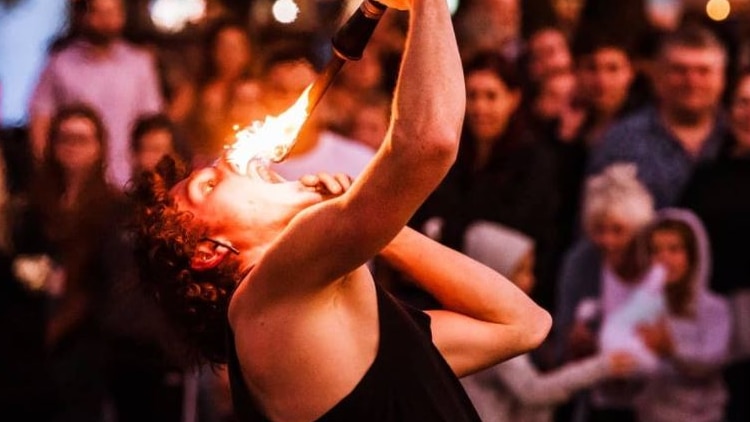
<point x="349" y="43"/>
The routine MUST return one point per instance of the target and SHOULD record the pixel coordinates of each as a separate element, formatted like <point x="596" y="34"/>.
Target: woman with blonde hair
<point x="601" y="272"/>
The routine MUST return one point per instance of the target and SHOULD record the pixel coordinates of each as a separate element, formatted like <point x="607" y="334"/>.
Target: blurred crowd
<point x="601" y="168"/>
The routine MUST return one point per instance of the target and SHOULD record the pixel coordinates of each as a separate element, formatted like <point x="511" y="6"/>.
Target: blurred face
<point x="154" y="145"/>
<point x="523" y="275"/>
<point x="740" y="114"/>
<point x="370" y="126"/>
<point x="284" y="83"/>
<point x="231" y="53"/>
<point x="365" y="73"/>
<point x="489" y="104"/>
<point x="611" y="233"/>
<point x="76" y="147"/>
<point x="668" y="249"/>
<point x="249" y="210"/>
<point x="507" y="15"/>
<point x="555" y="95"/>
<point x="548" y="54"/>
<point x="104" y="21"/>
<point x="604" y="79"/>
<point x="690" y="81"/>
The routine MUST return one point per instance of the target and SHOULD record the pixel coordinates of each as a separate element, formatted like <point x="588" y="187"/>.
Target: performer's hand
<point x="327" y="184"/>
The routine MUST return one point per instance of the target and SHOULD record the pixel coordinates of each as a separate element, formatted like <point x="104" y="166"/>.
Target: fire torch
<point x="274" y="138"/>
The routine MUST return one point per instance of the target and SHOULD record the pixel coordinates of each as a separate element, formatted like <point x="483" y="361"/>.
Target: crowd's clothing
<point x="497" y="246"/>
<point x="688" y="386"/>
<point x="622" y="309"/>
<point x="664" y="166"/>
<point x="579" y="280"/>
<point x="716" y="195"/>
<point x="626" y="307"/>
<point x="121" y="86"/>
<point x="515" y="391"/>
<point x="586" y="281"/>
<point x="515" y="188"/>
<point x="408" y="381"/>
<point x="332" y="154"/>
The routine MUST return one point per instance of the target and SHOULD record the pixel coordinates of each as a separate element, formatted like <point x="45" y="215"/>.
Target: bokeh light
<point x="285" y="11"/>
<point x="173" y="15"/>
<point x="718" y="10"/>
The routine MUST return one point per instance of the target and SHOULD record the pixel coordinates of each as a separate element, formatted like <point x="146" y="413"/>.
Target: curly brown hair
<point x="165" y="239"/>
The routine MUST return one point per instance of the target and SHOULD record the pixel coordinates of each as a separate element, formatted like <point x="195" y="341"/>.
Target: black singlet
<point x="408" y="381"/>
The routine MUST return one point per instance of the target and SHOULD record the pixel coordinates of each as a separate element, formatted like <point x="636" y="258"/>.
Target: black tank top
<point x="408" y="381"/>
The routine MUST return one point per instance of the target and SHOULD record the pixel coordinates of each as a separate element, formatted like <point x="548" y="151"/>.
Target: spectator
<point x="716" y="196"/>
<point x="287" y="73"/>
<point x="226" y="87"/>
<point x="370" y="122"/>
<point x="502" y="174"/>
<point x="692" y="339"/>
<point x="98" y="68"/>
<point x="356" y="85"/>
<point x="71" y="218"/>
<point x="686" y="128"/>
<point x="600" y="273"/>
<point x="547" y="53"/>
<point x="489" y="25"/>
<point x="153" y="137"/>
<point x="25" y="388"/>
<point x="515" y="390"/>
<point x="604" y="74"/>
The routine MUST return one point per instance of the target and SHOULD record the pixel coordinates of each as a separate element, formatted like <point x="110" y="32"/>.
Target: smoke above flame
<point x="271" y="139"/>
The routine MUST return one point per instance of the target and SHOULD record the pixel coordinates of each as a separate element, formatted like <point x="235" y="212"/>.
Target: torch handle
<point x="350" y="40"/>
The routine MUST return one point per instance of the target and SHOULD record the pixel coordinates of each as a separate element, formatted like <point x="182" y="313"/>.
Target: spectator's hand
<point x="582" y="341"/>
<point x="622" y="364"/>
<point x="657" y="338"/>
<point x="327" y="184"/>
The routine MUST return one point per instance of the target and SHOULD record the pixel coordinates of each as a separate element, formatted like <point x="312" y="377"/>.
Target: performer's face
<point x="258" y="205"/>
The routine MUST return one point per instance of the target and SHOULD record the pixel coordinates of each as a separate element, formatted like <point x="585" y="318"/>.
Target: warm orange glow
<point x="270" y="140"/>
<point x="718" y="10"/>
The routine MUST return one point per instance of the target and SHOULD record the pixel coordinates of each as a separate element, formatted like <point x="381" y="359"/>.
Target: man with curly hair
<point x="269" y="275"/>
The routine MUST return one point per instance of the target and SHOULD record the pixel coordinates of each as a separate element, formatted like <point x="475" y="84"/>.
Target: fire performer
<point x="277" y="268"/>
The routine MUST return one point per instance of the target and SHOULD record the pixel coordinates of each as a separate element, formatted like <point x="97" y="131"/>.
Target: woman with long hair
<point x="71" y="217"/>
<point x="502" y="174"/>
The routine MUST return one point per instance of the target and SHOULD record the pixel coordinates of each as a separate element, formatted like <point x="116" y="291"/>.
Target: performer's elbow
<point x="537" y="327"/>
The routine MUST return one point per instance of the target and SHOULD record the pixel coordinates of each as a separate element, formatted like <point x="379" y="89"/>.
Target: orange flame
<point x="271" y="139"/>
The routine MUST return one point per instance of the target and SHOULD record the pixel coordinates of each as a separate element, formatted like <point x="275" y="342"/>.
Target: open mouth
<point x="261" y="171"/>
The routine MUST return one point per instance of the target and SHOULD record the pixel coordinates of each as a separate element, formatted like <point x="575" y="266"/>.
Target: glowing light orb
<point x="173" y="15"/>
<point x="285" y="11"/>
<point x="718" y="10"/>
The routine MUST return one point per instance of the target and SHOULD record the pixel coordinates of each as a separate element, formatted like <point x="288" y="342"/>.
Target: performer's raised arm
<point x="420" y="147"/>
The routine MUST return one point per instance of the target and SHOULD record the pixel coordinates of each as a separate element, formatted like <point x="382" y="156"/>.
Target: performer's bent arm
<point x="486" y="319"/>
<point x="420" y="148"/>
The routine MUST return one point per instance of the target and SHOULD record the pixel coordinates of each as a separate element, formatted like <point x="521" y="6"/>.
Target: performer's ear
<point x="208" y="254"/>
